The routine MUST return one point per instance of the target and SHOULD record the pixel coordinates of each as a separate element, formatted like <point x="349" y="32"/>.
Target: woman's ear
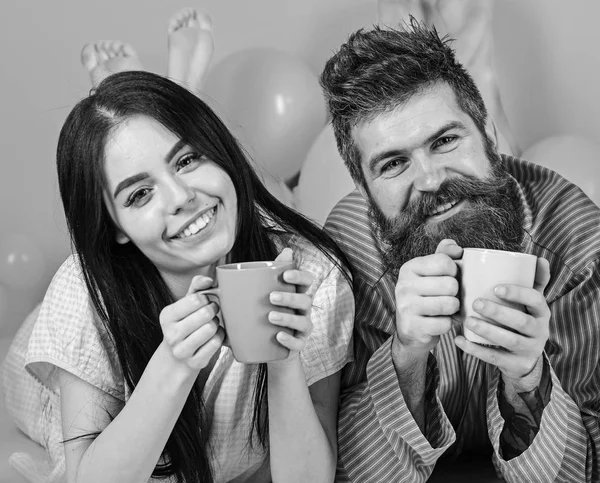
<point x="121" y="238"/>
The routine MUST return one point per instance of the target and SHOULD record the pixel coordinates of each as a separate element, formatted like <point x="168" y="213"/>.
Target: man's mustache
<point x="451" y="190"/>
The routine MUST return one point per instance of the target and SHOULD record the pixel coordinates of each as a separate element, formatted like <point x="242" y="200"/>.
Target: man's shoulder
<point x="348" y="224"/>
<point x="564" y="220"/>
<point x="348" y="221"/>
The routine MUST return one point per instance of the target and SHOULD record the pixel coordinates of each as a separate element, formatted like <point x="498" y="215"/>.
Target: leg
<point x="108" y="57"/>
<point x="190" y="47"/>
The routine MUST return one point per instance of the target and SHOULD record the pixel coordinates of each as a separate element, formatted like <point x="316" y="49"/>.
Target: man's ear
<point x="491" y="132"/>
<point x="361" y="189"/>
<point x="121" y="238"/>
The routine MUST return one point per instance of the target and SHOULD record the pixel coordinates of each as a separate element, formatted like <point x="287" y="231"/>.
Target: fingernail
<point x="274" y="316"/>
<point x="501" y="291"/>
<point x="478" y="304"/>
<point x="276" y="297"/>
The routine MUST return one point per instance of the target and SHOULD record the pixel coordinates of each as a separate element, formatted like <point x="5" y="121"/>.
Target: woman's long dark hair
<point x="125" y="287"/>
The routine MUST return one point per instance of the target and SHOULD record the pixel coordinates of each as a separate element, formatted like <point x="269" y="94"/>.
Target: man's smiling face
<point x="430" y="174"/>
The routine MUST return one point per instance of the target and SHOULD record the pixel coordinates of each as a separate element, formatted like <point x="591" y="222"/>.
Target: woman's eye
<point x="138" y="197"/>
<point x="188" y="160"/>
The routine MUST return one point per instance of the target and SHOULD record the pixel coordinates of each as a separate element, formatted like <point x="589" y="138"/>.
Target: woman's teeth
<point x="197" y="225"/>
<point x="441" y="209"/>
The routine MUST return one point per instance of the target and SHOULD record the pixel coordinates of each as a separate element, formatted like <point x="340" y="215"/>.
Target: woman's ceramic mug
<point x="243" y="292"/>
<point x="479" y="271"/>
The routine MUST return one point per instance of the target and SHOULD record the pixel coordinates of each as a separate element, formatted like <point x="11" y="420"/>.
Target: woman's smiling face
<point x="177" y="206"/>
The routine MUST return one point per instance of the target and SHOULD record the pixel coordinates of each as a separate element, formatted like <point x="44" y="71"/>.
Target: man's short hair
<point x="377" y="70"/>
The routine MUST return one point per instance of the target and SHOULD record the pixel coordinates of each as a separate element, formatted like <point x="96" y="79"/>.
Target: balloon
<point x="324" y="179"/>
<point x="21" y="261"/>
<point x="3" y="304"/>
<point x="277" y="188"/>
<point x="272" y="103"/>
<point x="573" y="157"/>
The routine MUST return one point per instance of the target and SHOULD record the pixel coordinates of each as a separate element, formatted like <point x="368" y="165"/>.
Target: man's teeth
<point x="197" y="225"/>
<point x="441" y="209"/>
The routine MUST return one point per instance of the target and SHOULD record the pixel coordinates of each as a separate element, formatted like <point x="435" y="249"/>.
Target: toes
<point x="203" y="20"/>
<point x="128" y="50"/>
<point x="89" y="56"/>
<point x="189" y="18"/>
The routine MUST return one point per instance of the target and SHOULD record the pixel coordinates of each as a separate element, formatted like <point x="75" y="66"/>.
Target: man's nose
<point x="178" y="194"/>
<point x="430" y="175"/>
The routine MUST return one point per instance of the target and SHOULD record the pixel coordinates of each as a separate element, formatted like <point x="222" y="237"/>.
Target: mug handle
<point x="216" y="292"/>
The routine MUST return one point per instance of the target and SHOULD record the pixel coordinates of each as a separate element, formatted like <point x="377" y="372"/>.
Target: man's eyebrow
<point x="446" y="127"/>
<point x="126" y="183"/>
<point x="402" y="152"/>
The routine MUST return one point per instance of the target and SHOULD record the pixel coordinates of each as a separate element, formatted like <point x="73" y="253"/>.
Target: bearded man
<point x="414" y="133"/>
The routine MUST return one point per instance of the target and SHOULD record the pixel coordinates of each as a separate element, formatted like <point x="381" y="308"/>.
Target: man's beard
<point x="492" y="218"/>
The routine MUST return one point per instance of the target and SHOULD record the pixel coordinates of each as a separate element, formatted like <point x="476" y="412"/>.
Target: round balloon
<point x="21" y="261"/>
<point x="272" y="102"/>
<point x="573" y="157"/>
<point x="323" y="180"/>
<point x="3" y="304"/>
<point x="278" y="189"/>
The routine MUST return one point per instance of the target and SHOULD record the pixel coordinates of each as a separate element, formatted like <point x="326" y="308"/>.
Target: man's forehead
<point x="409" y="123"/>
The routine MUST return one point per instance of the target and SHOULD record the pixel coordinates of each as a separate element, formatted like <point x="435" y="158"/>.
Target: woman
<point x="146" y="386"/>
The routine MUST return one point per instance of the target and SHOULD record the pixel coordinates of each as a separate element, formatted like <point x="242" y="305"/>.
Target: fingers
<point x="198" y="283"/>
<point x="500" y="336"/>
<point x="301" y="278"/>
<point x="542" y="274"/>
<point x="194" y="341"/>
<point x="202" y="356"/>
<point x="430" y="286"/>
<point x="292" y="342"/>
<point x="450" y="248"/>
<point x="291" y="300"/>
<point x="179" y="330"/>
<point x="439" y="264"/>
<point x="182" y="308"/>
<point x="435" y="306"/>
<point x="425" y="332"/>
<point x="300" y="323"/>
<point x="532" y="299"/>
<point x="486" y="354"/>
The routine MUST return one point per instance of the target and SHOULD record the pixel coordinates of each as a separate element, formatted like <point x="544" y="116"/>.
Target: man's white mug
<point x="480" y="271"/>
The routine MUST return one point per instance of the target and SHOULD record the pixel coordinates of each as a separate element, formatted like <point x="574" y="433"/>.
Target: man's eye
<point x="444" y="141"/>
<point x="391" y="165"/>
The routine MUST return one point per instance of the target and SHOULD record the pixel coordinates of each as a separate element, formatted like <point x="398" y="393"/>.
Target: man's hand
<point x="426" y="297"/>
<point x="523" y="334"/>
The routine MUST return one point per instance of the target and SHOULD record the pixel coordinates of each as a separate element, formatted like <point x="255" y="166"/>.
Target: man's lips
<point x="446" y="210"/>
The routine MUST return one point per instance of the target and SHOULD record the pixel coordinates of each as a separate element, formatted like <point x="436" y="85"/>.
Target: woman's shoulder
<point x="69" y="334"/>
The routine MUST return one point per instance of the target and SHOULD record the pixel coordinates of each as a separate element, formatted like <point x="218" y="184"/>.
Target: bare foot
<point x="108" y="57"/>
<point x="191" y="47"/>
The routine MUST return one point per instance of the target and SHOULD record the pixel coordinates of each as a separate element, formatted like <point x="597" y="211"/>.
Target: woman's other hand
<point x="190" y="327"/>
<point x="300" y="302"/>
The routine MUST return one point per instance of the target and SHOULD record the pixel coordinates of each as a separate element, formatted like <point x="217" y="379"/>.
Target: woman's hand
<point x="300" y="303"/>
<point x="190" y="327"/>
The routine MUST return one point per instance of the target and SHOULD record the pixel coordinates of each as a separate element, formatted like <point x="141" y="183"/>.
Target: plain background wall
<point x="546" y="50"/>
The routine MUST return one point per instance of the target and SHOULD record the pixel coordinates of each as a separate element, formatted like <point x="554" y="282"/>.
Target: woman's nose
<point x="179" y="194"/>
